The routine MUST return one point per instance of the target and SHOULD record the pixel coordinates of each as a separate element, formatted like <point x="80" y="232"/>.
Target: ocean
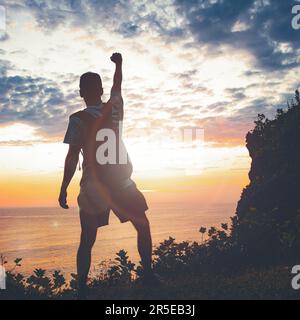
<point x="48" y="237"/>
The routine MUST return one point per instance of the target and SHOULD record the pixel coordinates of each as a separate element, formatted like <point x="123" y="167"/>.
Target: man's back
<point x="104" y="152"/>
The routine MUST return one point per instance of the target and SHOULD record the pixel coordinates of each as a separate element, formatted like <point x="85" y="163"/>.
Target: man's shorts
<point x="130" y="200"/>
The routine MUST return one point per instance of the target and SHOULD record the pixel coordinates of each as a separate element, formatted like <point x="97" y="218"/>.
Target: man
<point x="103" y="186"/>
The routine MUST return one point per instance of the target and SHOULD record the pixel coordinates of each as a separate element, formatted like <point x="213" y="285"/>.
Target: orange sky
<point x="42" y="190"/>
<point x="32" y="169"/>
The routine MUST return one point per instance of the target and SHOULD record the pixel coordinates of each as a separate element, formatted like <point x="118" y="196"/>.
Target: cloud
<point x="21" y="143"/>
<point x="128" y="29"/>
<point x="236" y="93"/>
<point x="260" y="27"/>
<point x="33" y="100"/>
<point x="265" y="26"/>
<point x="222" y="131"/>
<point x="4" y="66"/>
<point x="3" y="36"/>
<point x="189" y="81"/>
<point x="50" y="14"/>
<point x="127" y="18"/>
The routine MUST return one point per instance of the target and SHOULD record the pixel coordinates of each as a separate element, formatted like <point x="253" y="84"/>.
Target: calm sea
<point x="48" y="237"/>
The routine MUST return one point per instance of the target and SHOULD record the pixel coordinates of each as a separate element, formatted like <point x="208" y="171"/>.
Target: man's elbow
<point x="117" y="86"/>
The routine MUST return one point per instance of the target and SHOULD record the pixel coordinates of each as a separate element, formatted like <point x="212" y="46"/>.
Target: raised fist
<point x="116" y="58"/>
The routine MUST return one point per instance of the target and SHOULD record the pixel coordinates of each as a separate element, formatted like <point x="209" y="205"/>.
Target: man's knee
<point x="88" y="238"/>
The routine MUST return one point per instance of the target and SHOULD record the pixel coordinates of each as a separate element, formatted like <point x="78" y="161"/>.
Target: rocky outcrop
<point x="267" y="222"/>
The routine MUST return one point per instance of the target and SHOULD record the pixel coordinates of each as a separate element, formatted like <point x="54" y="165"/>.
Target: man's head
<point x="91" y="87"/>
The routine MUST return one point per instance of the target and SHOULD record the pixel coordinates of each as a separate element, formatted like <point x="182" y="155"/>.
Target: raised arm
<point x="118" y="76"/>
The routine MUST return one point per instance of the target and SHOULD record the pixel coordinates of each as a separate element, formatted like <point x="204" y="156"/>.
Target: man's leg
<point x="144" y="241"/>
<point x="87" y="240"/>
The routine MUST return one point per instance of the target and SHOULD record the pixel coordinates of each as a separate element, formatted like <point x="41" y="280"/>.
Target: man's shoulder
<point x="80" y="115"/>
<point x="77" y="114"/>
<point x="74" y="132"/>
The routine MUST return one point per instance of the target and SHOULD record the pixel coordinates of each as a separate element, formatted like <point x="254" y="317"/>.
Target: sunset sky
<point x="207" y="64"/>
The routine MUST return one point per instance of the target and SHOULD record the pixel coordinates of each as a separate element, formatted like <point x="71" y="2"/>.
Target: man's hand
<point x="116" y="58"/>
<point x="63" y="199"/>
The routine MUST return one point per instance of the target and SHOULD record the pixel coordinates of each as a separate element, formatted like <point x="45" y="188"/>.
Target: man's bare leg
<point x="144" y="242"/>
<point x="87" y="240"/>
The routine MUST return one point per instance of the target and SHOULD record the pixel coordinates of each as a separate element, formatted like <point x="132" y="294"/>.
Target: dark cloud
<point x="4" y="66"/>
<point x="129" y="29"/>
<point x="189" y="80"/>
<point x="236" y="93"/>
<point x="256" y="26"/>
<point x="128" y="18"/>
<point x="3" y="36"/>
<point x="267" y="106"/>
<point x="35" y="101"/>
<point x="217" y="107"/>
<point x="50" y="15"/>
<point x="187" y="75"/>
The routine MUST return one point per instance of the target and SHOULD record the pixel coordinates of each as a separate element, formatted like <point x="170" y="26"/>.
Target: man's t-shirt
<point x="75" y="136"/>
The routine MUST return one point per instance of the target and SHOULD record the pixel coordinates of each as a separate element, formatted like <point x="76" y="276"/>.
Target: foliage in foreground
<point x="187" y="271"/>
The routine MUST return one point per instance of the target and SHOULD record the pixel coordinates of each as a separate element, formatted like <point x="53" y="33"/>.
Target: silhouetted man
<point x="104" y="186"/>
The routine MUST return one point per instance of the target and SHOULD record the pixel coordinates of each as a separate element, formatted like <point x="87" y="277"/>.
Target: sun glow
<point x="17" y="132"/>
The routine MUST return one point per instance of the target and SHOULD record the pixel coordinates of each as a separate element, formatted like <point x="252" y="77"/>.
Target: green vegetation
<point x="187" y="270"/>
<point x="251" y="259"/>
